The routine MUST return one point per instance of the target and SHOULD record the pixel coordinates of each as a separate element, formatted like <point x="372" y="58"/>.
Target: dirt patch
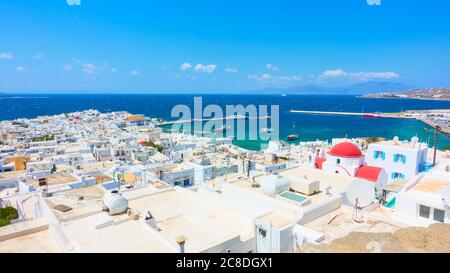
<point x="435" y="238"/>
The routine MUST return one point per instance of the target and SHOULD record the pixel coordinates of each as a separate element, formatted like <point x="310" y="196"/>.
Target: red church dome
<point x="345" y="149"/>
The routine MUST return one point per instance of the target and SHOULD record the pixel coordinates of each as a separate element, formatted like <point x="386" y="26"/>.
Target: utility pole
<point x="436" y="139"/>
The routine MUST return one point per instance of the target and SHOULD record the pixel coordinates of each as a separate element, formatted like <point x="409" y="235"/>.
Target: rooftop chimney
<point x="181" y="240"/>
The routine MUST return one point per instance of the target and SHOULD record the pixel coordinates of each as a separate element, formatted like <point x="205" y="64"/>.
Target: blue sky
<point x="206" y="45"/>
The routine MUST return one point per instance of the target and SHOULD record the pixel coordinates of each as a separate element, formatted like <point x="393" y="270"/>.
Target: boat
<point x="293" y="136"/>
<point x="370" y="116"/>
<point x="266" y="130"/>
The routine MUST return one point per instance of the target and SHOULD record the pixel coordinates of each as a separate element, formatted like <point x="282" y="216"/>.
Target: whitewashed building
<point x="400" y="159"/>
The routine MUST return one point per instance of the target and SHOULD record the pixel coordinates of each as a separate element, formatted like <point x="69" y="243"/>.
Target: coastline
<point x="409" y="114"/>
<point x="310" y="127"/>
<point x="395" y="97"/>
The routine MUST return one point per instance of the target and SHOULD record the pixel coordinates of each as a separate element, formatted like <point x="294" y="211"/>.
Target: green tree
<point x="6" y="215"/>
<point x="150" y="143"/>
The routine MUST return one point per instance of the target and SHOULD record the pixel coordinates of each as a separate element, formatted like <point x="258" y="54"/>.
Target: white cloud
<point x="38" y="56"/>
<point x="263" y="77"/>
<point x="73" y="2"/>
<point x="269" y="78"/>
<point x="375" y="75"/>
<point x="374" y="2"/>
<point x="113" y="70"/>
<point x="90" y="68"/>
<point x="210" y="68"/>
<point x="134" y="72"/>
<point x="6" y="56"/>
<point x="339" y="73"/>
<point x="185" y="66"/>
<point x="272" y="67"/>
<point x="231" y="70"/>
<point x="334" y="73"/>
<point x="20" y="69"/>
<point x="67" y="67"/>
<point x="290" y="79"/>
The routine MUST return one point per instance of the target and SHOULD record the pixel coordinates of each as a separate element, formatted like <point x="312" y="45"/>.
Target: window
<point x="424" y="211"/>
<point x="338" y="161"/>
<point x="262" y="233"/>
<point x="396" y="175"/>
<point x="400" y="158"/>
<point x="186" y="183"/>
<point x="438" y="215"/>
<point x="379" y="154"/>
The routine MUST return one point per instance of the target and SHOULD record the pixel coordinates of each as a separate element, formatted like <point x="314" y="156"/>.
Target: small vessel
<point x="293" y="136"/>
<point x="266" y="130"/>
<point x="370" y="116"/>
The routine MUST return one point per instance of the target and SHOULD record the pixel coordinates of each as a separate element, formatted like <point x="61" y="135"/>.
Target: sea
<point x="309" y="127"/>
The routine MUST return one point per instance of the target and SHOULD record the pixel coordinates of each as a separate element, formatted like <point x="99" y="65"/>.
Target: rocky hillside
<point x="418" y="93"/>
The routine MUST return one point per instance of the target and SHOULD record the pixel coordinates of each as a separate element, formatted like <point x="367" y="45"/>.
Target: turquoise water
<point x="308" y="127"/>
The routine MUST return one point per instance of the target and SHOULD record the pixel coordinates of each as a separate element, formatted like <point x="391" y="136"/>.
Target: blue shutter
<point x="404" y="159"/>
<point x="395" y="157"/>
<point x="393" y="176"/>
<point x="375" y="154"/>
<point x="383" y="155"/>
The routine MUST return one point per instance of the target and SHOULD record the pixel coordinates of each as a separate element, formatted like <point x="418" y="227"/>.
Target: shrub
<point x="44" y="138"/>
<point x="6" y="215"/>
<point x="154" y="145"/>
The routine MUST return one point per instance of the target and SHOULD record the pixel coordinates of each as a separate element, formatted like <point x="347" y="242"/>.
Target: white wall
<point x="414" y="158"/>
<point x="407" y="205"/>
<point x="324" y="206"/>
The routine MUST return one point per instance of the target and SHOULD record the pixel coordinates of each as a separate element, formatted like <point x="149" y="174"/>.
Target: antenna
<point x="446" y="197"/>
<point x="360" y="193"/>
<point x="436" y="140"/>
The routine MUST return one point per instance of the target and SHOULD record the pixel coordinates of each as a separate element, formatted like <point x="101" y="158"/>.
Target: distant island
<point x="362" y="88"/>
<point x="417" y="93"/>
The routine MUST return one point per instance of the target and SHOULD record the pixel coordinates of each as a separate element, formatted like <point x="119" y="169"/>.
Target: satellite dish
<point x="361" y="193"/>
<point x="446" y="196"/>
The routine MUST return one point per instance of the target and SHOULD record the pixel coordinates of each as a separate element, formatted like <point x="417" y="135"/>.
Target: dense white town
<point x="116" y="182"/>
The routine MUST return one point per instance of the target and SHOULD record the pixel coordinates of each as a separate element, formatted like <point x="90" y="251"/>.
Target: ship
<point x="370" y="116"/>
<point x="294" y="136"/>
